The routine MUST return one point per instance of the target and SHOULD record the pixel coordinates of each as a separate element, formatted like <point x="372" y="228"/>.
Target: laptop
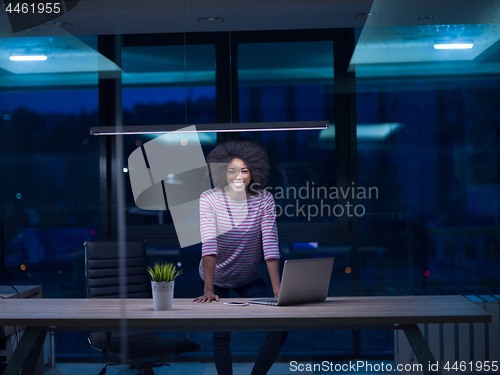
<point x="303" y="281"/>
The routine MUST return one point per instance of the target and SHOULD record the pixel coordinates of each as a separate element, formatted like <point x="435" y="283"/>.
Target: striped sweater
<point x="235" y="232"/>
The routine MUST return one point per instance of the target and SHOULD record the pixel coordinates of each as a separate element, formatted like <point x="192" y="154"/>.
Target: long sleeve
<point x="269" y="229"/>
<point x="208" y="226"/>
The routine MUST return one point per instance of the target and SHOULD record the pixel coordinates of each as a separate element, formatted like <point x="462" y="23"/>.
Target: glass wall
<point x="427" y="159"/>
<point x="49" y="196"/>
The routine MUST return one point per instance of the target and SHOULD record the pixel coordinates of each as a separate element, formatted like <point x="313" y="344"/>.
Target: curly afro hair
<point x="253" y="154"/>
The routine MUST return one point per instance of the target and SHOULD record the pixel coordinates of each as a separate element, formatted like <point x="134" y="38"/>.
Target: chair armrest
<point x="101" y="347"/>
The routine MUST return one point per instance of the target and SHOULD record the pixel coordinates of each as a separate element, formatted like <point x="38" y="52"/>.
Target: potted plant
<point x="162" y="283"/>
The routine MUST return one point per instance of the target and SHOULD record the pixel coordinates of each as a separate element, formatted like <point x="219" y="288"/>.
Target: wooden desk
<point x="23" y="291"/>
<point x="392" y="312"/>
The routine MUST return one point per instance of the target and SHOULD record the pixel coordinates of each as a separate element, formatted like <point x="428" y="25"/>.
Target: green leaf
<point x="163" y="272"/>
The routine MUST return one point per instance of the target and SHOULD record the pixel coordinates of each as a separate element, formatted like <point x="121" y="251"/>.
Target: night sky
<point x="74" y="101"/>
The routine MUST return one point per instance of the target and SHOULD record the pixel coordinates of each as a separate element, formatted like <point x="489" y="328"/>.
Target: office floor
<point x="180" y="369"/>
<point x="175" y="369"/>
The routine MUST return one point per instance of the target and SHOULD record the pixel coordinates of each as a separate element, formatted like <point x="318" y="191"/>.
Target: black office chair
<point x="145" y="349"/>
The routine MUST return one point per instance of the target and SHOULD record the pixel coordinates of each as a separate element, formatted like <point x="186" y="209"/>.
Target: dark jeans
<point x="269" y="349"/>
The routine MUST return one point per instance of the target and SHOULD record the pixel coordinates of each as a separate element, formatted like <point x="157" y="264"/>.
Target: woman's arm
<point x="273" y="266"/>
<point x="209" y="271"/>
<point x="270" y="243"/>
<point x="208" y="229"/>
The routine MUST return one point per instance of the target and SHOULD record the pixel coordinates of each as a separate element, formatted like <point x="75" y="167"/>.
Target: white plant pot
<point x="163" y="295"/>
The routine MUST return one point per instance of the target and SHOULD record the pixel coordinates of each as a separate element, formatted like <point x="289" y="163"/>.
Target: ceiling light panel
<point x="413" y="44"/>
<point x="63" y="54"/>
<point x="28" y="58"/>
<point x="454" y="46"/>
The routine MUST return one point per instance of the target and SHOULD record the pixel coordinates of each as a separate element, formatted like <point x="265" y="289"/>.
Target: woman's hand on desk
<point x="207" y="297"/>
<point x="209" y="262"/>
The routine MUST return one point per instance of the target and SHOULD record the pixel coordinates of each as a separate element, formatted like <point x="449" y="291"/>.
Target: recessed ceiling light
<point x="426" y="18"/>
<point x="454" y="46"/>
<point x="64" y="24"/>
<point x="28" y="58"/>
<point x="367" y="14"/>
<point x="210" y="19"/>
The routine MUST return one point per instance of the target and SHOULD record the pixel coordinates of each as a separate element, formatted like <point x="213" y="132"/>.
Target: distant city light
<point x="86" y="141"/>
<point x="138" y="143"/>
<point x="125" y="170"/>
<point x="426" y="273"/>
<point x="28" y="58"/>
<point x="92" y="232"/>
<point x="348" y="270"/>
<point x="454" y="46"/>
<point x="19" y="195"/>
<point x="23" y="267"/>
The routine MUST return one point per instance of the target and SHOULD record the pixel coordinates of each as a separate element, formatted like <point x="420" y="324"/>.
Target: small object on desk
<point x="236" y="303"/>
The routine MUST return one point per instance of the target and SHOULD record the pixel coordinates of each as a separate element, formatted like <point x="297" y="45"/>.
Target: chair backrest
<point x="102" y="273"/>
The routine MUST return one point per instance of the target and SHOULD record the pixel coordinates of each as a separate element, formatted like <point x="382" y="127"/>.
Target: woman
<point x="238" y="219"/>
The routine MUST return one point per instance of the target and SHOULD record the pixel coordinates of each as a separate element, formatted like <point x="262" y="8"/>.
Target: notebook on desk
<point x="303" y="281"/>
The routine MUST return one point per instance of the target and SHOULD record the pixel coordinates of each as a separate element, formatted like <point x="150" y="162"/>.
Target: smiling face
<point x="238" y="175"/>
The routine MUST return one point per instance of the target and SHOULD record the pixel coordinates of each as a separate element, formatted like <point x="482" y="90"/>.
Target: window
<point x="50" y="190"/>
<point x="435" y="166"/>
<point x="293" y="81"/>
<point x="166" y="84"/>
